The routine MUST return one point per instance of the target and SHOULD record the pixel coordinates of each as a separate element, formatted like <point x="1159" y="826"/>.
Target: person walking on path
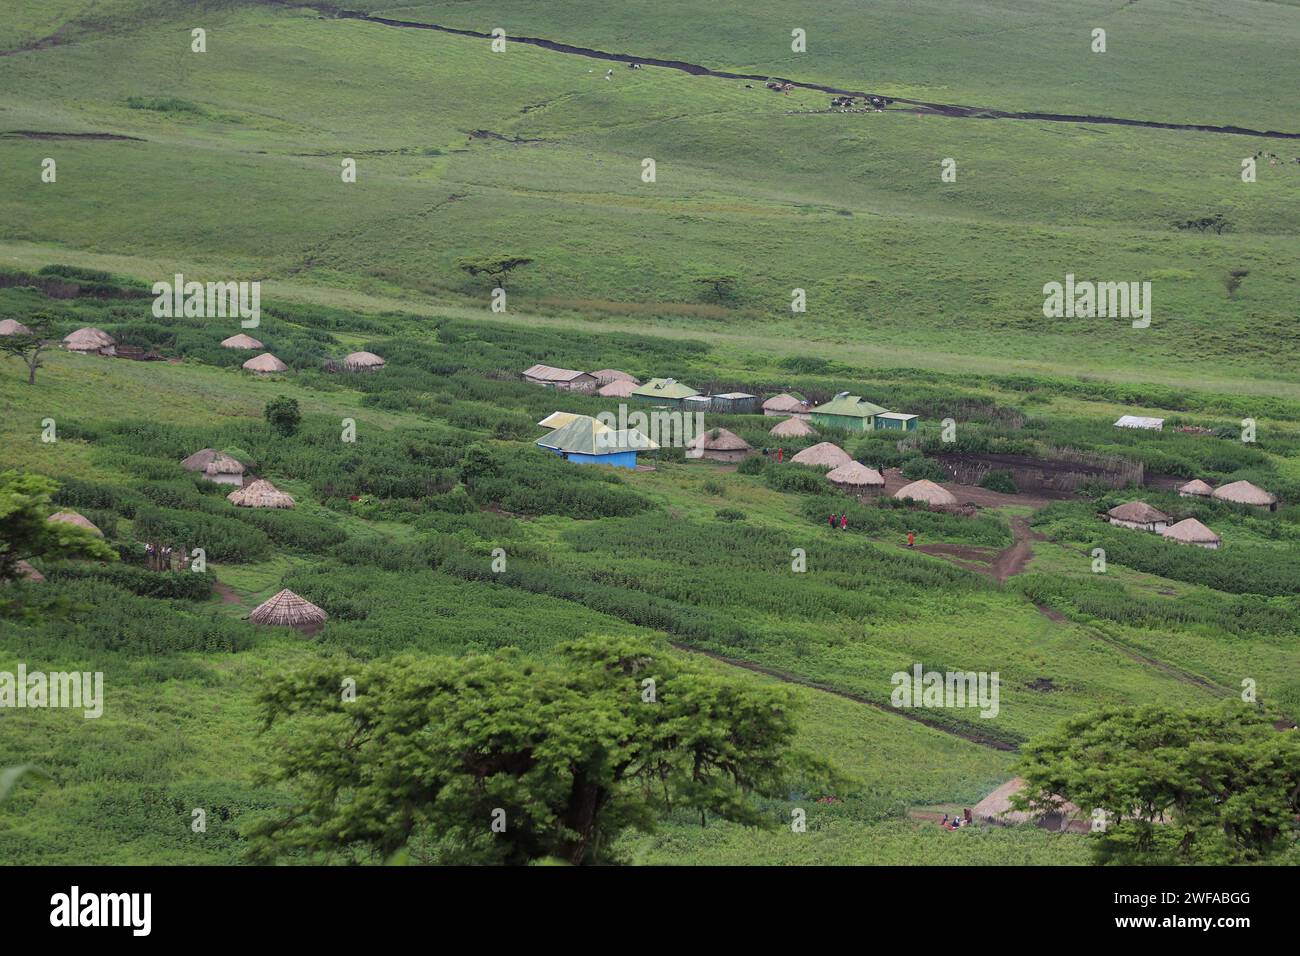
<point x="911" y="538"/>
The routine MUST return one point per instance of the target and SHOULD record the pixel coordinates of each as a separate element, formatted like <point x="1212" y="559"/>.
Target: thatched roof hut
<point x="90" y="341"/>
<point x="1191" y="531"/>
<point x="996" y="808"/>
<point x="286" y="609"/>
<point x="241" y="341"/>
<point x="622" y="388"/>
<point x="1138" y="514"/>
<point x="607" y="376"/>
<point x="792" y="428"/>
<point x="224" y="470"/>
<point x="719" y="445"/>
<point x="823" y="455"/>
<point x="13" y="327"/>
<point x="785" y="404"/>
<point x="1196" y="489"/>
<point x="363" y="362"/>
<point x="928" y="492"/>
<point x="1244" y="493"/>
<point x="200" y="459"/>
<point x="260" y="494"/>
<point x="25" y="572"/>
<point x="856" y="478"/>
<point x="71" y="517"/>
<point x="265" y="364"/>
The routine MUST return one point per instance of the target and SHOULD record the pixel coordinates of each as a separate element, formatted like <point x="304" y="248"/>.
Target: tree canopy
<point x="25" y="532"/>
<point x="498" y="759"/>
<point x="1214" y="785"/>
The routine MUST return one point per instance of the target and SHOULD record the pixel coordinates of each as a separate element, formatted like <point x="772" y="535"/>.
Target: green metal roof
<point x="587" y="436"/>
<point x="848" y="405"/>
<point x="664" y="388"/>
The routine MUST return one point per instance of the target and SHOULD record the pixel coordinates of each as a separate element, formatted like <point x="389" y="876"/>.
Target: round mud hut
<point x="90" y="341"/>
<point x="1196" y="489"/>
<point x="260" y="494"/>
<point x="362" y="362"/>
<point x="1191" y="531"/>
<point x="241" y="341"/>
<point x="265" y="364"/>
<point x="857" y="479"/>
<point x="792" y="428"/>
<point x="71" y="517"/>
<point x="1244" y="493"/>
<point x="13" y="327"/>
<point x="928" y="493"/>
<point x="823" y="455"/>
<point x="718" y="444"/>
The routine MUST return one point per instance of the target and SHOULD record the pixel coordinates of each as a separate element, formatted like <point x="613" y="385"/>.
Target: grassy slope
<point x="1031" y="55"/>
<point x="894" y="261"/>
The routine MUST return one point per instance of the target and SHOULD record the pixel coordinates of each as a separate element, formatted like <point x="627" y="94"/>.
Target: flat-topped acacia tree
<point x="499" y="759"/>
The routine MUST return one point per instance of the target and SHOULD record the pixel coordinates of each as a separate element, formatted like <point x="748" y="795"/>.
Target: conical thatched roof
<point x="1244" y="493"/>
<point x="785" y="402"/>
<point x="223" y="465"/>
<point x="260" y="494"/>
<point x="362" y="362"/>
<point x="1138" y="512"/>
<point x="265" y="363"/>
<point x="28" y="573"/>
<point x="622" y="388"/>
<point x="13" y="327"/>
<point x="241" y="341"/>
<point x="792" y="428"/>
<point x="88" y="339"/>
<point x="856" y="475"/>
<point x="823" y="455"/>
<point x="607" y="376"/>
<point x="287" y="609"/>
<point x="200" y="459"/>
<point x="997" y="805"/>
<point x="927" y="491"/>
<point x="1191" y="531"/>
<point x="71" y="517"/>
<point x="1196" y="487"/>
<point x="718" y="439"/>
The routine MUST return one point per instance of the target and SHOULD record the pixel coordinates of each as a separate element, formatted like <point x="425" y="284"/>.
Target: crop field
<point x="665" y="221"/>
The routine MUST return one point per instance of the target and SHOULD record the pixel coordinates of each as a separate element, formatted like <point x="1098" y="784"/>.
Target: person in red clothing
<point x="844" y="522"/>
<point x="780" y="455"/>
<point x="831" y="519"/>
<point x="911" y="538"/>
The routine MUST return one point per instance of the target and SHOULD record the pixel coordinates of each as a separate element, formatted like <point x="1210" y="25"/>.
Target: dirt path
<point x="789" y="678"/>
<point x="228" y="595"/>
<point x="998" y="565"/>
<point x="695" y="69"/>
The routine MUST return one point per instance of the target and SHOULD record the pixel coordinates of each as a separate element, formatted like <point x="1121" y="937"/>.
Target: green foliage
<point x="283" y="415"/>
<point x="1223" y="780"/>
<point x="25" y="504"/>
<point x="918" y="468"/>
<point x="534" y="482"/>
<point x="731" y="514"/>
<point x="495" y="760"/>
<point x="224" y="539"/>
<point x="999" y="481"/>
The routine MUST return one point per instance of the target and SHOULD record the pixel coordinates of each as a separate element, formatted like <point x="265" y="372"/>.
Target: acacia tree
<point x="25" y="532"/>
<point x="1213" y="786"/>
<point x="29" y="345"/>
<point x="496" y="267"/>
<point x="561" y="757"/>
